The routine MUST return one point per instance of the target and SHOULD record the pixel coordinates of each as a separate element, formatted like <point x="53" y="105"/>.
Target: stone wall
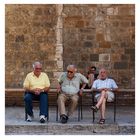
<point x="58" y="35"/>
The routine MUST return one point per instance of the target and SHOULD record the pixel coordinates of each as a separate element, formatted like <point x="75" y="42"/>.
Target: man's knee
<point x="44" y="95"/>
<point x="75" y="99"/>
<point x="110" y="96"/>
<point x="61" y="98"/>
<point x="103" y="93"/>
<point x="27" y="98"/>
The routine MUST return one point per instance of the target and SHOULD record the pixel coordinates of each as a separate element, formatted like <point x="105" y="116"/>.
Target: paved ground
<point x="125" y="123"/>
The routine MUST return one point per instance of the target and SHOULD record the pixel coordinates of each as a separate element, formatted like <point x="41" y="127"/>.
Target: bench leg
<point x="48" y="113"/>
<point x="56" y="112"/>
<point x="78" y="112"/>
<point x="25" y="114"/>
<point x="93" y="114"/>
<point x="115" y="108"/>
<point x="57" y="109"/>
<point x="81" y="105"/>
<point x="80" y="108"/>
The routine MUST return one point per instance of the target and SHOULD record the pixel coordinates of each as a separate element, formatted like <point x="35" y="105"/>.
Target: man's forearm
<point x="29" y="90"/>
<point x="83" y="86"/>
<point x="96" y="90"/>
<point x="46" y="89"/>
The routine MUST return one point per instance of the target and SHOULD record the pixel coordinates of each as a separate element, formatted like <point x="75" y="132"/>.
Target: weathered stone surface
<point x="62" y="34"/>
<point x="120" y="65"/>
<point x="104" y="57"/>
<point x="88" y="44"/>
<point x="94" y="57"/>
<point x="99" y="37"/>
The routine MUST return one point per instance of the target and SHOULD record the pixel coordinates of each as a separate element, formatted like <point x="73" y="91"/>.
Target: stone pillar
<point x="59" y="45"/>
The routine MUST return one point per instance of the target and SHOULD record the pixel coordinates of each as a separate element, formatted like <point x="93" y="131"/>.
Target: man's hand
<point x="106" y="89"/>
<point x="58" y="88"/>
<point x="81" y="92"/>
<point x="37" y="91"/>
<point x="101" y="89"/>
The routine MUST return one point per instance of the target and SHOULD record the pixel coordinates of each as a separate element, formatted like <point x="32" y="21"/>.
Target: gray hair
<point x="72" y="66"/>
<point x="36" y="63"/>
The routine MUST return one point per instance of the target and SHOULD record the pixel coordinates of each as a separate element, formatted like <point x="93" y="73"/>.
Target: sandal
<point x="102" y="121"/>
<point x="94" y="108"/>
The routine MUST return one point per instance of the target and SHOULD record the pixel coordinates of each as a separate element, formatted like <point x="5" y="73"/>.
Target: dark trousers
<point x="43" y="103"/>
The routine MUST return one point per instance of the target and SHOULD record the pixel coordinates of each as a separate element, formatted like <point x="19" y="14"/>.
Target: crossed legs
<point x="101" y="105"/>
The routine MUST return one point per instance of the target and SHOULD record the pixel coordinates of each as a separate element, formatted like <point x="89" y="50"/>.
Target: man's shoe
<point x="64" y="118"/>
<point x="42" y="119"/>
<point x="29" y="118"/>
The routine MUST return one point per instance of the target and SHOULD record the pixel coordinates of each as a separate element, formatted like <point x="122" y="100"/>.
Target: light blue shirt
<point x="107" y="83"/>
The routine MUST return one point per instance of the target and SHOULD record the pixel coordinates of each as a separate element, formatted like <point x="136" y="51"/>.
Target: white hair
<point x="72" y="66"/>
<point x="36" y="63"/>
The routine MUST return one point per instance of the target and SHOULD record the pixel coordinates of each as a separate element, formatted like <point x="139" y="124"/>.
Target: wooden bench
<point x="14" y="96"/>
<point x="120" y="94"/>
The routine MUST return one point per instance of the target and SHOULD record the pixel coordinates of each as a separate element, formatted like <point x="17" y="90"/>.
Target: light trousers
<point x="72" y="100"/>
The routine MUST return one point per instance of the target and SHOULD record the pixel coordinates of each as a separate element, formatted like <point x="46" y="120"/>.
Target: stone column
<point x="59" y="45"/>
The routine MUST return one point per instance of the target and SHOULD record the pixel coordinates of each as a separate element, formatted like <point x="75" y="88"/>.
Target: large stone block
<point x="19" y="38"/>
<point x="88" y="44"/>
<point x="105" y="44"/>
<point x="99" y="37"/>
<point x="112" y="11"/>
<point x="80" y="24"/>
<point x="94" y="57"/>
<point x="104" y="57"/>
<point x="120" y="65"/>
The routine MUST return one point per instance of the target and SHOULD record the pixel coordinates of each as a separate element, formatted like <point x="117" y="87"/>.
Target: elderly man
<point x="36" y="86"/>
<point x="104" y="87"/>
<point x="69" y="84"/>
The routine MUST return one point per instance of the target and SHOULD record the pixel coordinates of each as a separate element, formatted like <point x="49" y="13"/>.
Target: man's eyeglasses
<point x="69" y="71"/>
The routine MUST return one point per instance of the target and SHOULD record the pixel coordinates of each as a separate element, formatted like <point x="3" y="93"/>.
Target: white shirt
<point x="107" y="83"/>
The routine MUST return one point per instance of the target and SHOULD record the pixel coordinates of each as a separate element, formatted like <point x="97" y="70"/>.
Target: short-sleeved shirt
<point x="107" y="83"/>
<point x="71" y="86"/>
<point x="32" y="81"/>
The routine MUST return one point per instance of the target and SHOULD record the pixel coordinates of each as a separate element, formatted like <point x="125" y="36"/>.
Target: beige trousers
<point x="72" y="99"/>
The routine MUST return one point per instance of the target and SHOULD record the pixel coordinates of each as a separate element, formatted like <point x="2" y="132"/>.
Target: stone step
<point x="70" y="129"/>
<point x="15" y="123"/>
